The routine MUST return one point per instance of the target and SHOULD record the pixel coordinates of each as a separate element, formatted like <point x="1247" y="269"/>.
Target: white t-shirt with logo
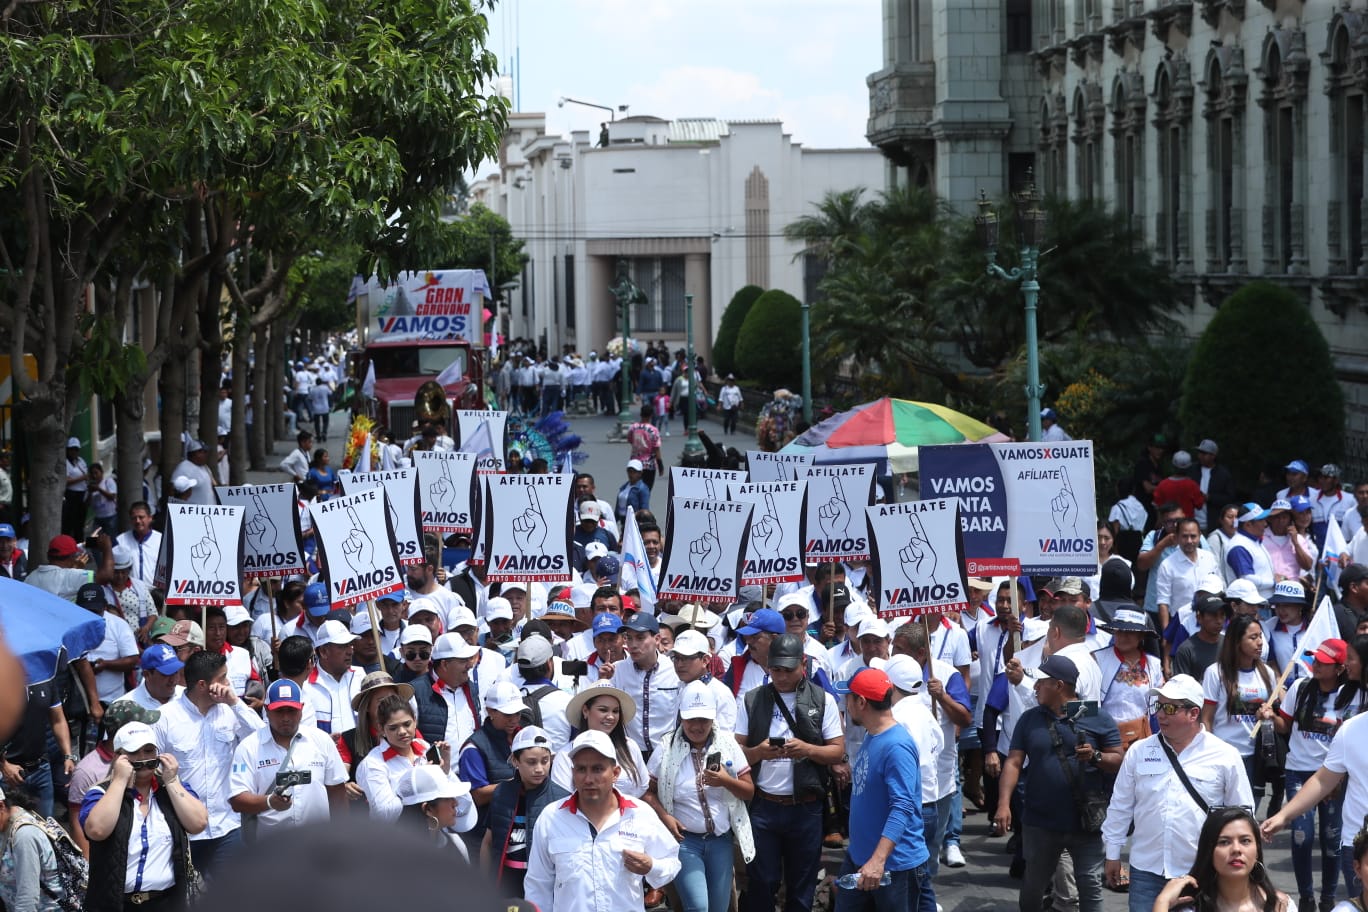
<point x="776" y="776"/>
<point x="1307" y="745"/>
<point x="1251" y="692"/>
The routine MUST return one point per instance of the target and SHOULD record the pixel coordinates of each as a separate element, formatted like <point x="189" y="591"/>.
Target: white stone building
<point x="696" y="206"/>
<point x="1231" y="130"/>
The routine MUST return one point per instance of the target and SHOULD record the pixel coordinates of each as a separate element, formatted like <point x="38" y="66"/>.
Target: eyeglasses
<point x="795" y="614"/>
<point x="1171" y="709"/>
<point x="414" y="655"/>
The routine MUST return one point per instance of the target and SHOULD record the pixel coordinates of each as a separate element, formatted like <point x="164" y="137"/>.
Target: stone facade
<point x="1231" y="131"/>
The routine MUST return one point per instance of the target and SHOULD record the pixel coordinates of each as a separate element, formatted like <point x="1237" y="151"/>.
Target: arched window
<point x="1087" y="137"/>
<point x="1223" y="110"/>
<point x="1128" y="124"/>
<point x="1345" y="84"/>
<point x="1172" y="120"/>
<point x="1283" y="99"/>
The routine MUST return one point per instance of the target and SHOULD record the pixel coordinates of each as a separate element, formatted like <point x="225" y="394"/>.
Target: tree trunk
<point x="211" y="362"/>
<point x="262" y="385"/>
<point x="172" y="414"/>
<point x="129" y="438"/>
<point x="237" y="441"/>
<point x="44" y="420"/>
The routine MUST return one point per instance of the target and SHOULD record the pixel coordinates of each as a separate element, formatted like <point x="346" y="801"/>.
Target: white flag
<point x="1335" y="548"/>
<point x="636" y="569"/>
<point x="481" y="444"/>
<point x="452" y="372"/>
<point x="1323" y="627"/>
<point x="368" y="385"/>
<point x="363" y="458"/>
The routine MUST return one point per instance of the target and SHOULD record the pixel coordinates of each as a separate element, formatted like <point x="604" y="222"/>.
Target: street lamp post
<point x="693" y="447"/>
<point x="626" y="293"/>
<point x="1030" y="226"/>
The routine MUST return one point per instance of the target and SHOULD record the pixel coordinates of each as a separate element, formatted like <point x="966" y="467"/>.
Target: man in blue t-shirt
<point x="886" y="833"/>
<point x="1090" y="746"/>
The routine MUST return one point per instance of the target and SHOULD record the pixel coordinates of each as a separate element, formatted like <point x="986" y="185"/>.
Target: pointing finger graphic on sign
<point x="443" y="490"/>
<point x="1064" y="507"/>
<point x="706" y="551"/>
<point x="260" y="528"/>
<point x="357" y="547"/>
<point x="766" y="531"/>
<point x="918" y="558"/>
<point x="529" y="528"/>
<point x="205" y="554"/>
<point x="834" y="515"/>
<point x="708" y="487"/>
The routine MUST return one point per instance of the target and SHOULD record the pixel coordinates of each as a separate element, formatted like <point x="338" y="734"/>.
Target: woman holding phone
<point x="699" y="783"/>
<point x="141" y="811"/>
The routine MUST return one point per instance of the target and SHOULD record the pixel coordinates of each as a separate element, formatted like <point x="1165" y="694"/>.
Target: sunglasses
<point x="794" y="614"/>
<point x="148" y="764"/>
<point x="414" y="655"/>
<point x="1171" y="709"/>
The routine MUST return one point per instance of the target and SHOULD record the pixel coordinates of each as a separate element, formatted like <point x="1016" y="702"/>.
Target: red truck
<point x="424" y="326"/>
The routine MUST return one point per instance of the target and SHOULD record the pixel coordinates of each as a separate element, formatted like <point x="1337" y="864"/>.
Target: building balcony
<point x="902" y="101"/>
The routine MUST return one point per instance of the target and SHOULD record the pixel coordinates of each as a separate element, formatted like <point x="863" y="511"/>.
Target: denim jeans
<point x="788" y="850"/>
<point x="705" y="872"/>
<point x="1145" y="888"/>
<point x="208" y="854"/>
<point x="1352" y="885"/>
<point x="39" y="781"/>
<point x="943" y="809"/>
<point x="1303" y="831"/>
<point x="1042" y="849"/>
<point x="907" y="890"/>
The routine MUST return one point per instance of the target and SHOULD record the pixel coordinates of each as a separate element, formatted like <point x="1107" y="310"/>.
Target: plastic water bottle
<point x="852" y="880"/>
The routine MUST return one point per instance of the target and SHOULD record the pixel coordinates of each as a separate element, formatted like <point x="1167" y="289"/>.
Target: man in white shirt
<point x="1246" y="555"/>
<point x="1150" y="794"/>
<point x="161" y="675"/>
<point x="143" y="542"/>
<point x="592" y="851"/>
<point x="1353" y="518"/>
<point x="584" y="487"/>
<point x="650" y="680"/>
<point x="284" y="774"/>
<point x="335" y="680"/>
<point x="117" y="653"/>
<point x="195" y="466"/>
<point x="691" y="655"/>
<point x="296" y="465"/>
<point x="202" y="728"/>
<point x="63" y="576"/>
<point x="1050" y="430"/>
<point x="1180" y="572"/>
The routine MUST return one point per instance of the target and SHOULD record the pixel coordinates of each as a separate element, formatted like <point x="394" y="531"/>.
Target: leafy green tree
<point x="724" y="345"/>
<point x="768" y="345"/>
<point x="1260" y="407"/>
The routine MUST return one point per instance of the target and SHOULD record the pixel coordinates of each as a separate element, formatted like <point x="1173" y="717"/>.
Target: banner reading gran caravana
<point x="201" y="555"/>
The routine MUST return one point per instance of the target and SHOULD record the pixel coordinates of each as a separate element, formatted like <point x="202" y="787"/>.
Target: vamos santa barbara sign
<point x="271" y="536"/>
<point x="1030" y="502"/>
<point x="357" y="546"/>
<point x="202" y="555"/>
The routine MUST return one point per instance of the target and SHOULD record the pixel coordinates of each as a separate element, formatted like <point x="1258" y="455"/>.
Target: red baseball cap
<point x="870" y="683"/>
<point x="1331" y="652"/>
<point x="62" y="546"/>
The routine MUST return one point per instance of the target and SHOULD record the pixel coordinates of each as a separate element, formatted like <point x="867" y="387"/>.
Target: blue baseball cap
<point x="642" y="622"/>
<point x="606" y="623"/>
<point x="1299" y="503"/>
<point x="316" y="600"/>
<point x="764" y="620"/>
<point x="1297" y="465"/>
<point x="608" y="566"/>
<point x="402" y="595"/>
<point x="284" y="694"/>
<point x="1252" y="512"/>
<point x="160" y="658"/>
<point x="7" y="531"/>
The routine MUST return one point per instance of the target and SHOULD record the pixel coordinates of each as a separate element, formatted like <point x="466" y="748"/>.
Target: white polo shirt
<point x="656" y="692"/>
<point x="330" y="698"/>
<point x="260" y="757"/>
<point x="203" y="745"/>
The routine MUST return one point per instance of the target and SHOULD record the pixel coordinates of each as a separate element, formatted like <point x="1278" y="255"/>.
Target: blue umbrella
<point x="37" y="625"/>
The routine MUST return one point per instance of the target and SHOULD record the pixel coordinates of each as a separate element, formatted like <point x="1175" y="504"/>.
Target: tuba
<point x="430" y="404"/>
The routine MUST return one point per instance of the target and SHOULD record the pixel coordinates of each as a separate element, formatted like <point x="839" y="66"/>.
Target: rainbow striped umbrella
<point x="890" y="429"/>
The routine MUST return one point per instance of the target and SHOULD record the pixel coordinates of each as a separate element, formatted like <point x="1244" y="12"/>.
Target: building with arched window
<point x="1230" y="131"/>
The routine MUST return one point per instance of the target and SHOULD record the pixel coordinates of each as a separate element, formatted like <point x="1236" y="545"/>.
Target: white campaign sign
<point x="468" y="422"/>
<point x="272" y="542"/>
<point x="698" y="484"/>
<point x="836" y="498"/>
<point x="527" y="528"/>
<point x="203" y="551"/>
<point x="356" y="544"/>
<point x="705" y="550"/>
<point x="446" y="490"/>
<point x="401" y="501"/>
<point x="777" y="466"/>
<point x="918" y="553"/>
<point x="774" y="548"/>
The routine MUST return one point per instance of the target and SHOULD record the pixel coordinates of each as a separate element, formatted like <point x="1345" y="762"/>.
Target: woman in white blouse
<point x="390" y="761"/>
<point x="602" y="707"/>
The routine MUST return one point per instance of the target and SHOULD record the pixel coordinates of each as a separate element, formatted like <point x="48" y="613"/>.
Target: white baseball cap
<point x="594" y="550"/>
<point x="361" y="623"/>
<point x="499" y="608"/>
<point x="453" y="646"/>
<point x="691" y="643"/>
<point x="415" y="633"/>
<point x="236" y="614"/>
<point x="905" y="672"/>
<point x="530" y="736"/>
<point x="461" y="616"/>
<point x="334" y="633"/>
<point x="504" y="697"/>
<point x="596" y="741"/>
<point x="133" y="736"/>
<point x="873" y="626"/>
<point x="696" y="701"/>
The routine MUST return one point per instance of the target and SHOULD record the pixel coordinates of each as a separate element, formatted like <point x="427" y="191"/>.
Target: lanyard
<point x="696" y="754"/>
<point x="646" y="708"/>
<point x="945" y="639"/>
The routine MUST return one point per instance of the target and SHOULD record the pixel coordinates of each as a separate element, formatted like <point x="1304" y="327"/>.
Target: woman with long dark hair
<point x="1229" y="871"/>
<point x="607" y="709"/>
<point x="1314" y="709"/>
<point x="1239" y="692"/>
<point x="28" y="863"/>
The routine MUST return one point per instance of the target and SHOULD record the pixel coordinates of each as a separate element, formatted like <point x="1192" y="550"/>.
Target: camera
<point x="290" y="778"/>
<point x="574" y="669"/>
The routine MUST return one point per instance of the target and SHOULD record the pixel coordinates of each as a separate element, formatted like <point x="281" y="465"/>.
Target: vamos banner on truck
<point x="468" y="422"/>
<point x="202" y="555"/>
<point x="1030" y="502"/>
<point x="918" y="553"/>
<point x="776" y="466"/>
<point x="445" y="304"/>
<point x="446" y="490"/>
<point x="356" y="542"/>
<point x="272" y="539"/>
<point x="705" y="550"/>
<point x="527" y="528"/>
<point x="836" y="498"/>
<point x="774" y="549"/>
<point x="401" y="504"/>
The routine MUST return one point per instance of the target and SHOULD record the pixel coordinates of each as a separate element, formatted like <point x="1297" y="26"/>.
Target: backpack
<point x="532" y="714"/>
<point x="73" y="871"/>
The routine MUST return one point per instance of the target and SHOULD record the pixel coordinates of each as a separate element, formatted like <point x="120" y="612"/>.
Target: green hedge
<point x="769" y="345"/>
<point x="724" y="346"/>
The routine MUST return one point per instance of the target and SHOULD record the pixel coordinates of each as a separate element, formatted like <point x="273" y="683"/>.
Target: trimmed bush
<point x="724" y="346"/>
<point x="1262" y="384"/>
<point x="769" y="345"/>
